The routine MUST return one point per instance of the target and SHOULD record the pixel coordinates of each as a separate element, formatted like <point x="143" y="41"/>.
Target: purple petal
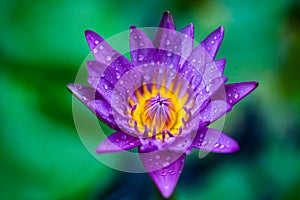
<point x="213" y="140"/>
<point x="212" y="42"/>
<point x="169" y="48"/>
<point x="95" y="102"/>
<point x="237" y="91"/>
<point x="141" y="47"/>
<point x="187" y="42"/>
<point x="166" y="22"/>
<point x="95" y="69"/>
<point x="105" y="54"/>
<point x="118" y="141"/>
<point x="213" y="111"/>
<point x="167" y="176"/>
<point x="220" y="64"/>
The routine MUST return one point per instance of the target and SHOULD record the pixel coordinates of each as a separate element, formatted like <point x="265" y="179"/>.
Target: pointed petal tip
<point x="132" y="27"/>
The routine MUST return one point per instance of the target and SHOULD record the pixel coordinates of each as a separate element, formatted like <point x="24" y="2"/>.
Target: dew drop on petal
<point x="165" y="164"/>
<point x="168" y="42"/>
<point x="236" y="96"/>
<point x="157" y="157"/>
<point x="95" y="50"/>
<point x="194" y="60"/>
<point x="229" y="94"/>
<point x="124" y="137"/>
<point x="169" y="54"/>
<point x="118" y="75"/>
<point x="141" y="58"/>
<point x="96" y="42"/>
<point x="105" y="86"/>
<point x="108" y="58"/>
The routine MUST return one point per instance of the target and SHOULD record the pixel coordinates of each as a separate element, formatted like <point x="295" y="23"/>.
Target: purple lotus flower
<point x="163" y="100"/>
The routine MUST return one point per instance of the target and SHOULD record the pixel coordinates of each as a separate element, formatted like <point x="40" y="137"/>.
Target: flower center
<point x="156" y="111"/>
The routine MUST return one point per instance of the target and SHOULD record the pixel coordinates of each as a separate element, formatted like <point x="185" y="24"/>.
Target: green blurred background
<point x="43" y="46"/>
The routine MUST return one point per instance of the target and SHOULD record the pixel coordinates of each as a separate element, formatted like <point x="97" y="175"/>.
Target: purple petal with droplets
<point x="166" y="22"/>
<point x="118" y="141"/>
<point x="141" y="47"/>
<point x="213" y="111"/>
<point x="105" y="54"/>
<point x="187" y="42"/>
<point x="95" y="102"/>
<point x="212" y="42"/>
<point x="169" y="48"/>
<point x="220" y="64"/>
<point x="213" y="140"/>
<point x="95" y="70"/>
<point x="167" y="176"/>
<point x="237" y="91"/>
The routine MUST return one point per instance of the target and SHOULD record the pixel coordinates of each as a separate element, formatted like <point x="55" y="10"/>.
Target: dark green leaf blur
<point x="42" y="46"/>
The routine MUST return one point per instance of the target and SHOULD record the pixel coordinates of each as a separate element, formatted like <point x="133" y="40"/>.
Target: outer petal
<point x="167" y="177"/>
<point x="169" y="48"/>
<point x="166" y="22"/>
<point x="213" y="111"/>
<point x="220" y="64"/>
<point x="187" y="42"/>
<point x="212" y="42"/>
<point x="141" y="47"/>
<point x="237" y="91"/>
<point x="95" y="69"/>
<point x="118" y="141"/>
<point x="95" y="102"/>
<point x="213" y="140"/>
<point x="105" y="54"/>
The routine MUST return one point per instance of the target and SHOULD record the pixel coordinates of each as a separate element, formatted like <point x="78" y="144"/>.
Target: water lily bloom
<point x="163" y="100"/>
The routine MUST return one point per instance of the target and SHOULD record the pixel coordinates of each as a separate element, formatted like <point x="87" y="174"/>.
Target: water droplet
<point x="194" y="60"/>
<point x="166" y="187"/>
<point x="165" y="164"/>
<point x="124" y="137"/>
<point x="117" y="140"/>
<point x="201" y="135"/>
<point x="105" y="86"/>
<point x="222" y="146"/>
<point x="141" y="44"/>
<point x="108" y="58"/>
<point x="163" y="173"/>
<point x="141" y="58"/>
<point x="95" y="50"/>
<point x="230" y="101"/>
<point x="118" y="75"/>
<point x="101" y="47"/>
<point x="215" y="37"/>
<point x="157" y="157"/>
<point x="146" y="77"/>
<point x="96" y="42"/>
<point x="229" y="94"/>
<point x="131" y="143"/>
<point x="121" y="82"/>
<point x="216" y="145"/>
<point x="168" y="158"/>
<point x="169" y="54"/>
<point x="212" y="42"/>
<point x="168" y="42"/>
<point x="236" y="96"/>
<point x="216" y="110"/>
<point x="204" y="143"/>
